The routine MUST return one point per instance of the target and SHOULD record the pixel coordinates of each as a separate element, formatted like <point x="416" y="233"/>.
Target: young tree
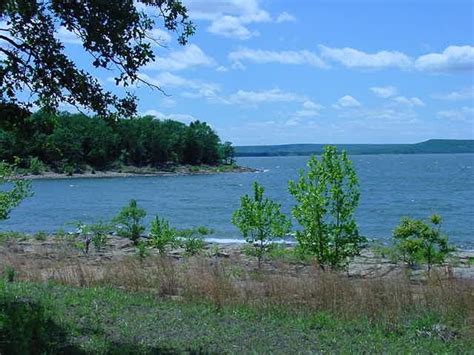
<point x="260" y="221"/>
<point x="117" y="34"/>
<point x="19" y="190"/>
<point x="327" y="197"/>
<point x="418" y="241"/>
<point x="129" y="221"/>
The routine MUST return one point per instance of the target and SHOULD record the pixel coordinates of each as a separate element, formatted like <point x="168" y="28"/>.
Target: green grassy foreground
<point x="106" y="320"/>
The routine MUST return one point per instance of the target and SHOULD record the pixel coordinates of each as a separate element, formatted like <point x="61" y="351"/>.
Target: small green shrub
<point x="203" y="230"/>
<point x="36" y="166"/>
<point x="40" y="236"/>
<point x="192" y="242"/>
<point x="162" y="235"/>
<point x="98" y="233"/>
<point x="129" y="221"/>
<point x="142" y="250"/>
<point x="419" y="241"/>
<point x="260" y="221"/>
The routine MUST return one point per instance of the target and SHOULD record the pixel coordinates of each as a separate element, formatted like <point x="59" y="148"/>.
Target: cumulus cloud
<point x="463" y="94"/>
<point x="159" y="36"/>
<point x="452" y="59"/>
<point x="187" y="57"/>
<point x="413" y="101"/>
<point x="462" y="114"/>
<point x="282" y="57"/>
<point x="231" y="27"/>
<point x="384" y="91"/>
<point x="265" y="96"/>
<point x="232" y="18"/>
<point x="194" y="88"/>
<point x="66" y="36"/>
<point x="285" y="17"/>
<point x="347" y="101"/>
<point x="354" y="58"/>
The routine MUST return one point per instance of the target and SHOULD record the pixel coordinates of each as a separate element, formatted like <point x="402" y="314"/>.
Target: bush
<point x="128" y="221"/>
<point x="36" y="166"/>
<point x="162" y="235"/>
<point x="192" y="242"/>
<point x="419" y="241"/>
<point x="98" y="234"/>
<point x="327" y="196"/>
<point x="260" y="221"/>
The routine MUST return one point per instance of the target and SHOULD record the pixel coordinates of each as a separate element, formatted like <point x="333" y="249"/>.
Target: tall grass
<point x="225" y="282"/>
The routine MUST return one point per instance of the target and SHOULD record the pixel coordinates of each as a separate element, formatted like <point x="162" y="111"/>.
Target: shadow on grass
<point x="25" y="328"/>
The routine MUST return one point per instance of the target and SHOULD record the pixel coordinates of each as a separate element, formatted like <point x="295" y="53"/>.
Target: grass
<point x="107" y="320"/>
<point x="211" y="304"/>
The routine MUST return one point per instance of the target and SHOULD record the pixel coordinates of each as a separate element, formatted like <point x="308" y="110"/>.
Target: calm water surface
<point x="391" y="186"/>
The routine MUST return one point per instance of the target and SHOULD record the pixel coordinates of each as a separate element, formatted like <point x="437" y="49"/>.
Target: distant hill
<point x="432" y="146"/>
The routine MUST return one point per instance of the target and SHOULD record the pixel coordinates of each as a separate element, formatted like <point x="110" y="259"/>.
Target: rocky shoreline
<point x="52" y="253"/>
<point x="140" y="172"/>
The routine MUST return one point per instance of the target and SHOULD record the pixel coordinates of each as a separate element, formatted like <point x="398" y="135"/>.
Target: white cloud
<point x="463" y="94"/>
<point x="197" y="89"/>
<point x="184" y="118"/>
<point x="282" y="57"/>
<point x="257" y="97"/>
<point x="413" y="101"/>
<point x="452" y="59"/>
<point x="221" y="69"/>
<point x="463" y="114"/>
<point x="285" y="17"/>
<point x="347" y="101"/>
<point x="187" y="57"/>
<point x="66" y="36"/>
<point x="353" y="58"/>
<point x="231" y="27"/>
<point x="384" y="91"/>
<point x="232" y="18"/>
<point x="159" y="36"/>
<point x="310" y="105"/>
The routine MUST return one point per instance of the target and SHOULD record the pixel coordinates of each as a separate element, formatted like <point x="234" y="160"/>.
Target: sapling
<point x="260" y="221"/>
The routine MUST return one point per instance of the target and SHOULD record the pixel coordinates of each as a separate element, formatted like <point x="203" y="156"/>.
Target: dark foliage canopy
<point x="34" y="68"/>
<point x="70" y="142"/>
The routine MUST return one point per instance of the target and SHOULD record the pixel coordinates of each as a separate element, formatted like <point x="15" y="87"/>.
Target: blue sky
<point x="301" y="71"/>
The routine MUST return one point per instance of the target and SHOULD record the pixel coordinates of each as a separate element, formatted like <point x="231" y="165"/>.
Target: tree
<point x="418" y="241"/>
<point x="260" y="221"/>
<point x="10" y="198"/>
<point x="129" y="221"/>
<point x="227" y="153"/>
<point x="327" y="197"/>
<point x="116" y="34"/>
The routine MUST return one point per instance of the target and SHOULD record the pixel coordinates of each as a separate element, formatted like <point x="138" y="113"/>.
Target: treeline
<point x="432" y="146"/>
<point x="66" y="142"/>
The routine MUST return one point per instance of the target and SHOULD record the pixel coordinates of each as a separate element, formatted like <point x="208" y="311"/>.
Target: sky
<point x="309" y="71"/>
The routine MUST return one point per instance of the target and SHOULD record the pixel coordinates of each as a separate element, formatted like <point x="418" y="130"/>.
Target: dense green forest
<point x="432" y="146"/>
<point x="69" y="143"/>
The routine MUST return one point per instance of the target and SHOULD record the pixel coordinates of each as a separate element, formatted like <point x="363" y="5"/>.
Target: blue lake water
<point x="391" y="186"/>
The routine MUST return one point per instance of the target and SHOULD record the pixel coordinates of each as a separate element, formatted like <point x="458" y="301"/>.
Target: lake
<point x="392" y="186"/>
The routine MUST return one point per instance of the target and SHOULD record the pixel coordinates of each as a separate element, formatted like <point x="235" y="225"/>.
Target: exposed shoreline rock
<point x="183" y="170"/>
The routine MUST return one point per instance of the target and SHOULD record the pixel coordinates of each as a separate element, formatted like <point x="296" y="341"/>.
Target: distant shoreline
<point x="432" y="146"/>
<point x="138" y="172"/>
